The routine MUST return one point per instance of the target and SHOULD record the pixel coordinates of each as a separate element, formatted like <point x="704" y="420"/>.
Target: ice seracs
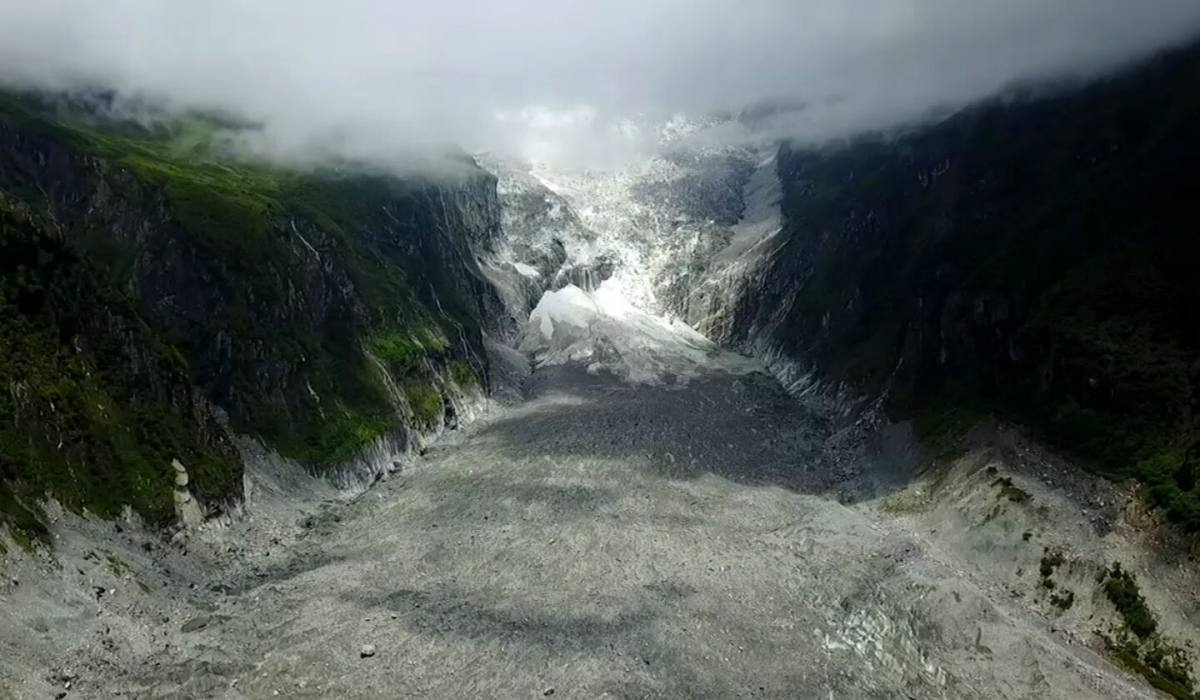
<point x="604" y="330"/>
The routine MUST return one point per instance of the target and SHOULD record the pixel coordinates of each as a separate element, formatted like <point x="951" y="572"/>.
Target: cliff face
<point x="149" y="288"/>
<point x="1032" y="257"/>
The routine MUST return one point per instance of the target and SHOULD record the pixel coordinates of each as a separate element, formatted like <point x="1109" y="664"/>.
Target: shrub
<point x="1063" y="599"/>
<point x="1122" y="590"/>
<point x="1010" y="491"/>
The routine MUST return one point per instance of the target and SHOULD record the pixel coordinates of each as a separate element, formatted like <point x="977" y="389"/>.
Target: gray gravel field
<point x="607" y="540"/>
<point x="644" y="515"/>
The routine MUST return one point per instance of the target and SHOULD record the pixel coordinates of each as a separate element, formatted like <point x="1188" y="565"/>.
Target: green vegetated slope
<point x="94" y="405"/>
<point x="1033" y="257"/>
<point x="144" y="280"/>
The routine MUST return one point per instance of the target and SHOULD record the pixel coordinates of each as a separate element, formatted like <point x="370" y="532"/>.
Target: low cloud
<point x="572" y="79"/>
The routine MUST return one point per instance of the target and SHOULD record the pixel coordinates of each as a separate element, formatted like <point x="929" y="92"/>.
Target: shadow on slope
<point x="744" y="428"/>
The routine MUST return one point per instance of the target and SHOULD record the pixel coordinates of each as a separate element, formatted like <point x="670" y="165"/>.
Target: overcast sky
<point x="556" y="78"/>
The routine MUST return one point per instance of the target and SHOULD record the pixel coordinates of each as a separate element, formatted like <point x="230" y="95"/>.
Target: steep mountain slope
<point x="655" y="515"/>
<point x="1033" y="257"/>
<point x="154" y="293"/>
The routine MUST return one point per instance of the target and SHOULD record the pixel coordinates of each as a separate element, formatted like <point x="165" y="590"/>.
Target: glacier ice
<point x="604" y="330"/>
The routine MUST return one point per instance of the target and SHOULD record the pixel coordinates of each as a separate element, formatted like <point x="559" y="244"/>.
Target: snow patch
<point x="527" y="270"/>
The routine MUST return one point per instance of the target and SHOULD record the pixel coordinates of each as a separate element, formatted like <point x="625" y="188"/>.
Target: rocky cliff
<point x="158" y="297"/>
<point x="1031" y="257"/>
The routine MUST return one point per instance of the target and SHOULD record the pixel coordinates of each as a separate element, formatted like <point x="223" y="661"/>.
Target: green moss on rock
<point x="463" y="374"/>
<point x="268" y="292"/>
<point x="425" y="401"/>
<point x="94" y="408"/>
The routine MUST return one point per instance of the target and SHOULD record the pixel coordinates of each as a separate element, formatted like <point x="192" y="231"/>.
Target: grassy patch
<point x="1009" y="491"/>
<point x="269" y="252"/>
<point x="463" y="374"/>
<point x="399" y="352"/>
<point x="24" y="523"/>
<point x="425" y="401"/>
<point x="404" y="352"/>
<point x="904" y="501"/>
<point x="339" y="437"/>
<point x="1165" y="669"/>
<point x="117" y="566"/>
<point x="1170" y="476"/>
<point x="1140" y="647"/>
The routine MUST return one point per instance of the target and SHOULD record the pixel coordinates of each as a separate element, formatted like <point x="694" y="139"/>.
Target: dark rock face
<point x="1031" y="256"/>
<point x="587" y="277"/>
<point x="710" y="188"/>
<point x="319" y="311"/>
<point x="94" y="408"/>
<point x="536" y="223"/>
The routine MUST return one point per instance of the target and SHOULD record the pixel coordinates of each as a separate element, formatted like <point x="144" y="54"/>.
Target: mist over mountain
<point x="629" y="350"/>
<point x="565" y="80"/>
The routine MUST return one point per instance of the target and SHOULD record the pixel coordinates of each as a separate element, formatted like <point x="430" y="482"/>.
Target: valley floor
<point x="598" y="539"/>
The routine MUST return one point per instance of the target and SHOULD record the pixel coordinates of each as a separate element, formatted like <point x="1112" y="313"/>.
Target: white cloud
<point x="385" y="78"/>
